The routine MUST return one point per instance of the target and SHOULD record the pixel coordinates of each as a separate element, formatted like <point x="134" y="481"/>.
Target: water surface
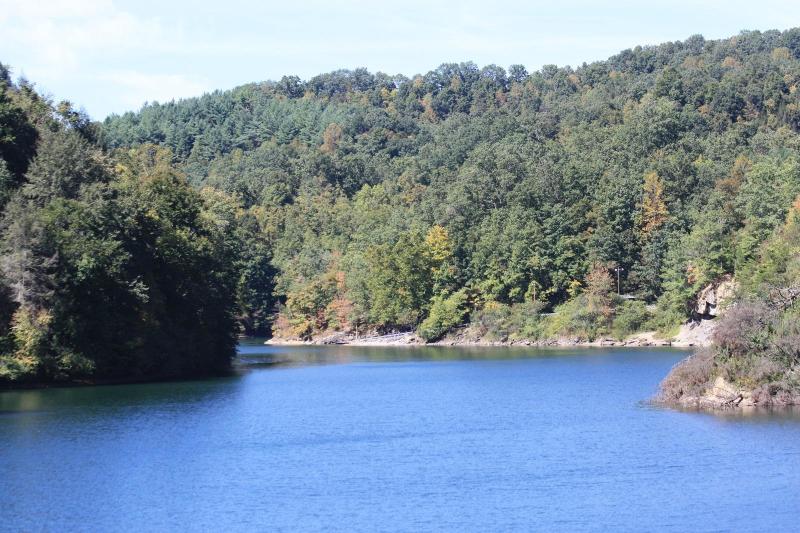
<point x="395" y="439"/>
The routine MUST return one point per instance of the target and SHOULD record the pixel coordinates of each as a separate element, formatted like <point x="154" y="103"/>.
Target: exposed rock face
<point x="725" y="394"/>
<point x="713" y="297"/>
<point x="720" y="395"/>
<point x="695" y="333"/>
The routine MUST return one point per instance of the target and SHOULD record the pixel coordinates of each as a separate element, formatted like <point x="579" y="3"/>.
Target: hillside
<point x="480" y="192"/>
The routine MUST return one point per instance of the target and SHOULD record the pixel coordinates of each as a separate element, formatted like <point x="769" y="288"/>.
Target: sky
<point x="111" y="56"/>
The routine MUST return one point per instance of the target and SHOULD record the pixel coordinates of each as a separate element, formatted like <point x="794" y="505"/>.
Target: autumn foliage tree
<point x="654" y="208"/>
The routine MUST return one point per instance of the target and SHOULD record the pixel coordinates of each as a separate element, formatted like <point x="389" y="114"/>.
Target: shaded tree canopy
<point x="112" y="266"/>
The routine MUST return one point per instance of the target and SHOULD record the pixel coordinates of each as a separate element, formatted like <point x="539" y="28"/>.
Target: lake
<point x="396" y="439"/>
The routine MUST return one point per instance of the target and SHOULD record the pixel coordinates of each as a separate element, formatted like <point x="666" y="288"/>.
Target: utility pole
<point x="618" y="269"/>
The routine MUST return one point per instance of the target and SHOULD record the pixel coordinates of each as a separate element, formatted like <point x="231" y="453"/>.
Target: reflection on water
<point x="321" y="438"/>
<point x="772" y="415"/>
<point x="253" y="352"/>
<point x="110" y="397"/>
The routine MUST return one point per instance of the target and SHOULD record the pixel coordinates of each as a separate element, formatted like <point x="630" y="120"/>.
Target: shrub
<point x="666" y="321"/>
<point x="445" y="314"/>
<point x="631" y="317"/>
<point x="756" y="346"/>
<point x="576" y="318"/>
<point x="492" y="322"/>
<point x="688" y="378"/>
<point x="501" y="322"/>
<point x="745" y="330"/>
<point x="525" y="320"/>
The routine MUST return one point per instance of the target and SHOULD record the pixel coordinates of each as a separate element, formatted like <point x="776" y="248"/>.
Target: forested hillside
<point x="487" y="194"/>
<point x="112" y="266"/>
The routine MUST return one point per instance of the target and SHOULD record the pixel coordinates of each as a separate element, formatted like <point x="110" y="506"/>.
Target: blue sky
<point x="113" y="55"/>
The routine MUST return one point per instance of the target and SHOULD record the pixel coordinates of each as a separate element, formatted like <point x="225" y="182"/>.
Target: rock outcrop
<point x="720" y="395"/>
<point x="711" y="302"/>
<point x="712" y="299"/>
<point x="695" y="333"/>
<point x="724" y="394"/>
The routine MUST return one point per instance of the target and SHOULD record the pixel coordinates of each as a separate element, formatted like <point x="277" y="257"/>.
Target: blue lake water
<point x="403" y="439"/>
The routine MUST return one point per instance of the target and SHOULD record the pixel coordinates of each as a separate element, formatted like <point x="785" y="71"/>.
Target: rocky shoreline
<point x="693" y="334"/>
<point x="696" y="383"/>
<point x="722" y="395"/>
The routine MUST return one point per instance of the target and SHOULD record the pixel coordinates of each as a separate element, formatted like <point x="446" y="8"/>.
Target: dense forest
<point x="112" y="266"/>
<point x="371" y="202"/>
<point x="394" y="202"/>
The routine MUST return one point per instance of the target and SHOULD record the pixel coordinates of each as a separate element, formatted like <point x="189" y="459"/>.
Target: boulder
<point x="723" y="391"/>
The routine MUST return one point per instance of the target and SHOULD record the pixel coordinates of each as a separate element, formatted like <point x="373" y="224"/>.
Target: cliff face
<point x="711" y="301"/>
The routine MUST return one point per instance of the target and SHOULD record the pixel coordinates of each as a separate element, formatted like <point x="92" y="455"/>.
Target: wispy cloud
<point x="59" y="34"/>
<point x="72" y="42"/>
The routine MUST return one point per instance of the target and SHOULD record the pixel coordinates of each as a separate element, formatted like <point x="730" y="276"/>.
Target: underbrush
<point x="502" y="322"/>
<point x="581" y="320"/>
<point x="577" y="320"/>
<point x="689" y="378"/>
<point x="632" y="316"/>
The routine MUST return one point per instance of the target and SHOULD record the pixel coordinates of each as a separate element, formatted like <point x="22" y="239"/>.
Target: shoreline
<point x="691" y="335"/>
<point x="455" y="339"/>
<point x="717" y="394"/>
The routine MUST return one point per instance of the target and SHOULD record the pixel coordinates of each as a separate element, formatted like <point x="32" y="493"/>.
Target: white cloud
<point x="58" y="34"/>
<point x="62" y="44"/>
